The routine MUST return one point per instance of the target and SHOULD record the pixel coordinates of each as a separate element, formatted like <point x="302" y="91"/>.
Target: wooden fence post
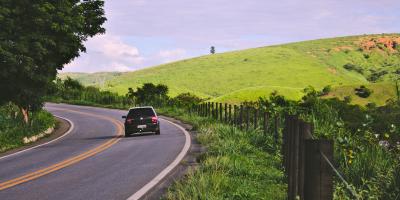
<point x="293" y="162"/>
<point x="220" y="112"/>
<point x="241" y="117"/>
<point x="212" y="110"/>
<point x="276" y="129"/>
<point x="226" y="112"/>
<point x="255" y="121"/>
<point x="208" y="109"/>
<point x="204" y="109"/>
<point x="230" y="114"/>
<point x="265" y="123"/>
<point x="247" y="118"/>
<point x="305" y="133"/>
<point x="234" y="120"/>
<point x="216" y="111"/>
<point x="319" y="184"/>
<point x="285" y="142"/>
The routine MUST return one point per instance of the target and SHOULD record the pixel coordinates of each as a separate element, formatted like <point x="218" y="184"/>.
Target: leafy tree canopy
<point x="39" y="37"/>
<point x="149" y="93"/>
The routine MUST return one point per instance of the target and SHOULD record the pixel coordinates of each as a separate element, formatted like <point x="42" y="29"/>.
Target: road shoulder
<point x="62" y="127"/>
<point x="190" y="161"/>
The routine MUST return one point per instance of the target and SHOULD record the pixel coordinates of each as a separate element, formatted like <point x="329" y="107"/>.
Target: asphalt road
<point x="92" y="161"/>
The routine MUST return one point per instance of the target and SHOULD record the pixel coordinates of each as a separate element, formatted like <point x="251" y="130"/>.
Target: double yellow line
<point x="69" y="161"/>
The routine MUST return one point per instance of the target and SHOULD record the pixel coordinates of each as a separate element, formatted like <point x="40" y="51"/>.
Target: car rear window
<point x="141" y="112"/>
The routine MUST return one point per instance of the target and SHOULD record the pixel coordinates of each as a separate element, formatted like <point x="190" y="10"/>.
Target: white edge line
<point x="28" y="149"/>
<point x="142" y="191"/>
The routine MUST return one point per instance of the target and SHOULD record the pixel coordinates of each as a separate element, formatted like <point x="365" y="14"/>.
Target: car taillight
<point x="154" y="120"/>
<point x="129" y="120"/>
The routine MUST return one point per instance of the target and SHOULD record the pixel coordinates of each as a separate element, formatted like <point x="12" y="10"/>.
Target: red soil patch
<point x="390" y="43"/>
<point x="342" y="48"/>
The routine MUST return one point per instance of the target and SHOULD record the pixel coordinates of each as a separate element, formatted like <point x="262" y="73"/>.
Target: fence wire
<point x="348" y="187"/>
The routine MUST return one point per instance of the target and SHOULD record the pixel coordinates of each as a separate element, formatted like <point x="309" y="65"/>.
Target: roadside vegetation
<point x="237" y="164"/>
<point x="246" y="165"/>
<point x="40" y="38"/>
<point x="13" y="129"/>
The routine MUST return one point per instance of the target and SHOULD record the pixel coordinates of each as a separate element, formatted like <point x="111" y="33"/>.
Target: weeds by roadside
<point x="13" y="129"/>
<point x="235" y="166"/>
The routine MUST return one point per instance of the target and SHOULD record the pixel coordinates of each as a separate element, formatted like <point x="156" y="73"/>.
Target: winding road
<point x="92" y="160"/>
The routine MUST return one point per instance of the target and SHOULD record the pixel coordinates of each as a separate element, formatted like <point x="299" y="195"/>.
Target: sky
<point x="145" y="33"/>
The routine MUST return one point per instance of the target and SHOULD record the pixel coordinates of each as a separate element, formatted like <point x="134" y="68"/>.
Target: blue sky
<point x="144" y="33"/>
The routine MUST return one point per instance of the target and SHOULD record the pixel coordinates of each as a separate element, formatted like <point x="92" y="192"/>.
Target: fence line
<point x="309" y="174"/>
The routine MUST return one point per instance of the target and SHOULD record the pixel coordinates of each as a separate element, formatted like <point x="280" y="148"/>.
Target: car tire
<point x="157" y="132"/>
<point x="127" y="135"/>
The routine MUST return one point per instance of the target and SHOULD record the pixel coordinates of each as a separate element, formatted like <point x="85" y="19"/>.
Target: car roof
<point x="141" y="107"/>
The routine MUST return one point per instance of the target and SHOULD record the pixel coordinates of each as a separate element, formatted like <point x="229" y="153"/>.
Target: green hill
<point x="98" y="79"/>
<point x="344" y="62"/>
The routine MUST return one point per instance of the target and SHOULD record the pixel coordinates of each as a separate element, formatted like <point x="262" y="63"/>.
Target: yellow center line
<point x="69" y="161"/>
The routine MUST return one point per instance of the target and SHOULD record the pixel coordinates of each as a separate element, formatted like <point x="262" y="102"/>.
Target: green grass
<point x="13" y="130"/>
<point x="98" y="79"/>
<point x="235" y="166"/>
<point x="381" y="93"/>
<point x="247" y="74"/>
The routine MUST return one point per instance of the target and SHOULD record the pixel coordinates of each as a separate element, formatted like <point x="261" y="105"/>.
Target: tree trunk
<point x="25" y="114"/>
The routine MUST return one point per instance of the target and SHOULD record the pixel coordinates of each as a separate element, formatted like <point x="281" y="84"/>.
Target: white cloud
<point x="106" y="53"/>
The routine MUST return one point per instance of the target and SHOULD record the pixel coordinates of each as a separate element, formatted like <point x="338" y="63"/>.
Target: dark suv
<point x="140" y="120"/>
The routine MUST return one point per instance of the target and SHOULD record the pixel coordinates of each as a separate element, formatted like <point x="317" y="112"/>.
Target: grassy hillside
<point x="245" y="75"/>
<point x="381" y="93"/>
<point x="98" y="79"/>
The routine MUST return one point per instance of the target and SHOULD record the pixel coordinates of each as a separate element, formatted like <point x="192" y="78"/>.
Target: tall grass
<point x="235" y="166"/>
<point x="13" y="129"/>
<point x="371" y="169"/>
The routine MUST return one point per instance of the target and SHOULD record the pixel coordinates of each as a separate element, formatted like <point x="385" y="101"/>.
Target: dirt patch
<point x="383" y="43"/>
<point x="332" y="70"/>
<point x="342" y="48"/>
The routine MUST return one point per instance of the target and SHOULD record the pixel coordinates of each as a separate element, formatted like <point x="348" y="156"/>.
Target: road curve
<point x="93" y="161"/>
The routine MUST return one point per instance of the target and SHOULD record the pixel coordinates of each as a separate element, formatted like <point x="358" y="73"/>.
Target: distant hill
<point x="343" y="63"/>
<point x="98" y="79"/>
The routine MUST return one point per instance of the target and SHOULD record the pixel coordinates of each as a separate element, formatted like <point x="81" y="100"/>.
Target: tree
<point x="72" y="84"/>
<point x="37" y="38"/>
<point x="212" y="50"/>
<point x="150" y="93"/>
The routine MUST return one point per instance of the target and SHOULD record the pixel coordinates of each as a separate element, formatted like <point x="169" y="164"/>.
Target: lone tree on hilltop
<point x="212" y="50"/>
<point x="37" y="38"/>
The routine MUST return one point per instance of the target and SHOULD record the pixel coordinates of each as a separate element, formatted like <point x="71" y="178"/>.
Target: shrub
<point x="352" y="67"/>
<point x="187" y="99"/>
<point x="376" y="75"/>
<point x="326" y="90"/>
<point x="363" y="91"/>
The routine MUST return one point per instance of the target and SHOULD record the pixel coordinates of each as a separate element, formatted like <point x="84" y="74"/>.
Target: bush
<point x="352" y="67"/>
<point x="187" y="99"/>
<point x="363" y="91"/>
<point x="326" y="90"/>
<point x="376" y="75"/>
